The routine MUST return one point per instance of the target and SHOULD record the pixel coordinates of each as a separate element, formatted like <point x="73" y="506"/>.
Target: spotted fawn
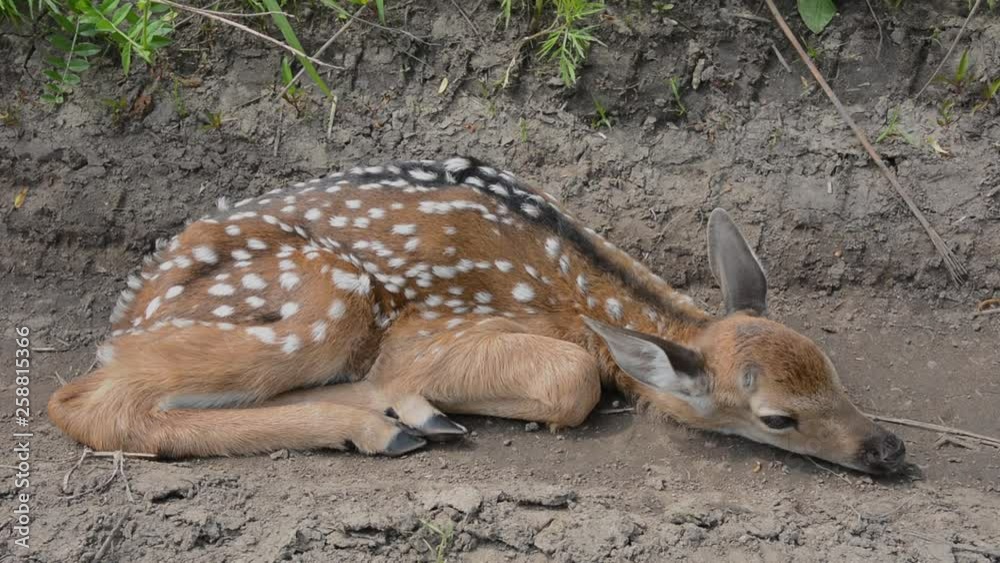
<point x="359" y="308"/>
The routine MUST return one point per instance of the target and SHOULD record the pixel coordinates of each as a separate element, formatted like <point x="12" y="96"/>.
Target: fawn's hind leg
<point x="161" y="391"/>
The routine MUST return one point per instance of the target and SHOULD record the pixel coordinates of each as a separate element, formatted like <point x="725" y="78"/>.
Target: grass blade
<point x="286" y="30"/>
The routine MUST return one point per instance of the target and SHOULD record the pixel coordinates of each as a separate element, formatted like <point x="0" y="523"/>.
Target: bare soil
<point x="850" y="267"/>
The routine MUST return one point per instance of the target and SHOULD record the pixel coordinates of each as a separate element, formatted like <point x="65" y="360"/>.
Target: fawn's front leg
<point x="491" y="366"/>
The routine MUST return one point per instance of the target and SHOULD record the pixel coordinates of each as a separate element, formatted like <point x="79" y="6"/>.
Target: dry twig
<point x="213" y="16"/>
<point x="955" y="268"/>
<point x="106" y="545"/>
<point x="988" y="440"/>
<point x="878" y="51"/>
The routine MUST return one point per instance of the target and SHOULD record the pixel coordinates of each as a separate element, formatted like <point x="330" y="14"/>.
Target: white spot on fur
<point x="205" y="254"/>
<point x="552" y="247"/>
<point x="412" y="244"/>
<point x="263" y="333"/>
<point x="253" y="281"/>
<point x="405" y="229"/>
<point x="221" y="289"/>
<point x="523" y="292"/>
<point x="338" y="221"/>
<point x="286" y="265"/>
<point x="152" y="307"/>
<point x="362" y="222"/>
<point x="223" y="311"/>
<point x="422" y="175"/>
<point x="376" y="213"/>
<point x="256" y="244"/>
<point x="581" y="283"/>
<point x="289" y="309"/>
<point x="288" y="280"/>
<point x="483" y="297"/>
<point x="337" y="309"/>
<point x="614" y="308"/>
<point x="255" y="302"/>
<point x="356" y="283"/>
<point x="564" y="264"/>
<point x="353" y="204"/>
<point x="504" y="265"/>
<point x="444" y="272"/>
<point x="174" y="291"/>
<point x="313" y="214"/>
<point x="233" y="230"/>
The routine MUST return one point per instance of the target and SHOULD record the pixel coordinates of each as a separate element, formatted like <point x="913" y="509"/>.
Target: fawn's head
<point x="748" y="375"/>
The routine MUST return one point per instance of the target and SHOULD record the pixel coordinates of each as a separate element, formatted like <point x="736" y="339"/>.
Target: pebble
<point x="531" y="427"/>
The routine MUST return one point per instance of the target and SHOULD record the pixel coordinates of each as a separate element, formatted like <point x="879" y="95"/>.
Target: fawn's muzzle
<point x="882" y="452"/>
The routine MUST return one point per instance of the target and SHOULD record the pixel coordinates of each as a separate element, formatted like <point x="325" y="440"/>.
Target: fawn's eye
<point x="778" y="422"/>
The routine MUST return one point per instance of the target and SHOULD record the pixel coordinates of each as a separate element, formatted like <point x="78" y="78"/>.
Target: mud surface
<point x="849" y="265"/>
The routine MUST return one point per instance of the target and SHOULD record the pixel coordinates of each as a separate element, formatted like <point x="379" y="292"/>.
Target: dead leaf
<point x="756" y="467"/>
<point x="937" y="147"/>
<point x="189" y="82"/>
<point x="20" y="197"/>
<point x="443" y="86"/>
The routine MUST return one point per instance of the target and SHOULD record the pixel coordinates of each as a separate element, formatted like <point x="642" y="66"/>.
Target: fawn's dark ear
<point x="661" y="364"/>
<point x="735" y="266"/>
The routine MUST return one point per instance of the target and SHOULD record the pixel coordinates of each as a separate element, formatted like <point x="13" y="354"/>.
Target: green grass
<point x="444" y="536"/>
<point x="566" y="34"/>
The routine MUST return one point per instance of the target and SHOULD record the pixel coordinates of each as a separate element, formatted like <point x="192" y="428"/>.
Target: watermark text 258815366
<point x="22" y="438"/>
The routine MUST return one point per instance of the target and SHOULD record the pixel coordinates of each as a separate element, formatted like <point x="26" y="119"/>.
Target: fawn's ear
<point x="735" y="266"/>
<point x="661" y="364"/>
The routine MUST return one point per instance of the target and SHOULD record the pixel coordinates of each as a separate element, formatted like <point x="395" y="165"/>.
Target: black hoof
<point x="440" y="428"/>
<point x="404" y="442"/>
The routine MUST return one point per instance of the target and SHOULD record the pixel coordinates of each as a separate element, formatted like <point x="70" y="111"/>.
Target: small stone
<point x="531" y="427"/>
<point x="280" y="454"/>
<point x="508" y="442"/>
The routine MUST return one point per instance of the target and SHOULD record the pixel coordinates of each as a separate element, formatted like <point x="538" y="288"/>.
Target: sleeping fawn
<point x="358" y="308"/>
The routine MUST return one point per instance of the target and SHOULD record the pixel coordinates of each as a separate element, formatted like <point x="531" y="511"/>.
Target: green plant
<point x="675" y="89"/>
<point x="817" y="14"/>
<point x="990" y="91"/>
<point x="179" y="106"/>
<point x="292" y="93"/>
<point x="213" y="121"/>
<point x="602" y="119"/>
<point x="141" y="28"/>
<point x="892" y="129"/>
<point x="64" y="70"/>
<point x="289" y="34"/>
<point x="662" y="7"/>
<point x="962" y="75"/>
<point x="568" y="40"/>
<point x="117" y="107"/>
<point x="522" y="125"/>
<point x="945" y="115"/>
<point x="444" y="534"/>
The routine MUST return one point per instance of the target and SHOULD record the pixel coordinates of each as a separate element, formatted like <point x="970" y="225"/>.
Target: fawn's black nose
<point x="882" y="452"/>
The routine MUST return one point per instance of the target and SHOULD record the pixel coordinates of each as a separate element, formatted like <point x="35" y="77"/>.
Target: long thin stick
<point x="951" y="49"/>
<point x="878" y="52"/>
<point x="241" y="27"/>
<point x="956" y="269"/>
<point x="935" y="428"/>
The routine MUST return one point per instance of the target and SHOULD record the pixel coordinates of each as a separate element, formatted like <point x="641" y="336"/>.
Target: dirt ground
<point x="850" y="267"/>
